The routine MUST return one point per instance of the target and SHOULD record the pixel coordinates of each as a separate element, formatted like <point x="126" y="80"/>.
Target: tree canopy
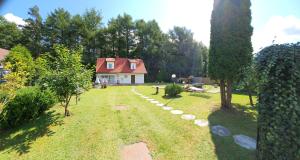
<point x="175" y="52"/>
<point x="66" y="74"/>
<point x="10" y="34"/>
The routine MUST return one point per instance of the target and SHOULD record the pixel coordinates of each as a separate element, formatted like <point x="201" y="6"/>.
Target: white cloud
<point x="278" y="28"/>
<point x="15" y="19"/>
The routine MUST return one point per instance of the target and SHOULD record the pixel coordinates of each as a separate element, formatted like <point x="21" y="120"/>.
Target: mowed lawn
<point x="96" y="131"/>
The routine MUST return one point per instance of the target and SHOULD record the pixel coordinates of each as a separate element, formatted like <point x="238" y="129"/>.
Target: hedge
<point x="279" y="102"/>
<point x="29" y="103"/>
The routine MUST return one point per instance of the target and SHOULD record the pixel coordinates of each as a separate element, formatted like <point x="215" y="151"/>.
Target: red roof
<point x="3" y="54"/>
<point x="122" y="65"/>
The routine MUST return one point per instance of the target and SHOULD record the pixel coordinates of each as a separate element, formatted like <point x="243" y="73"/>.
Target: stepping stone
<point x="188" y="117"/>
<point x="201" y="122"/>
<point x="149" y="99"/>
<point x="160" y="104"/>
<point x="136" y="151"/>
<point x="177" y="112"/>
<point x="220" y="131"/>
<point x="167" y="108"/>
<point x="245" y="141"/>
<point x="154" y="102"/>
<point x="120" y="108"/>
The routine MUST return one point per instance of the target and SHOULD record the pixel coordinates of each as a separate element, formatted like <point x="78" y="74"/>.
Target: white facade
<point x="121" y="78"/>
<point x="139" y="78"/>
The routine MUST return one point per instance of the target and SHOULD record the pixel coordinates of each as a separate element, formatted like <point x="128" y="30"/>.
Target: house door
<point x="132" y="79"/>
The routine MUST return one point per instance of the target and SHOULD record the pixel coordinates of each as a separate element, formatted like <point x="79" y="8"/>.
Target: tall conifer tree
<point x="230" y="44"/>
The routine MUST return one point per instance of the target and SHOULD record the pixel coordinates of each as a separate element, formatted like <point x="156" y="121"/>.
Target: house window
<point x="133" y="66"/>
<point x="110" y="65"/>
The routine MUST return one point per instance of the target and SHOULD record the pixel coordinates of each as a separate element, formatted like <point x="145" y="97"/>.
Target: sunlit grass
<point x="96" y="131"/>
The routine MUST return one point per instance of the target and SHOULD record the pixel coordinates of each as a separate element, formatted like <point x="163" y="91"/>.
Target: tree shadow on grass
<point x="238" y="122"/>
<point x="246" y="110"/>
<point x="20" y="138"/>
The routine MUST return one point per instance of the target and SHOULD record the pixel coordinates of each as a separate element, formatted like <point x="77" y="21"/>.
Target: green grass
<point x="96" y="131"/>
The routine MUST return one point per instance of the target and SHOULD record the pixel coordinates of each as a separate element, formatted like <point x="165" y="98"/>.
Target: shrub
<point x="3" y="99"/>
<point x="173" y="90"/>
<point x="28" y="104"/>
<point x="3" y="96"/>
<point x="279" y="102"/>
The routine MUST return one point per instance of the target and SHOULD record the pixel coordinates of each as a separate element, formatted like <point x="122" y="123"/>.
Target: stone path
<point x="137" y="151"/>
<point x="188" y="117"/>
<point x="220" y="131"/>
<point x="160" y="104"/>
<point x="245" y="141"/>
<point x="242" y="140"/>
<point x="201" y="122"/>
<point x="155" y="102"/>
<point x="167" y="108"/>
<point x="176" y="111"/>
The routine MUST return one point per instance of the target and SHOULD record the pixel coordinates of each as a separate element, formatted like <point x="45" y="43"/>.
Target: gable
<point x="121" y="65"/>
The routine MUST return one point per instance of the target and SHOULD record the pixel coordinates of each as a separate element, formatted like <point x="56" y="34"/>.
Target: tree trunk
<point x="250" y="98"/>
<point x="228" y="94"/>
<point x="223" y="94"/>
<point x="127" y="43"/>
<point x="76" y="98"/>
<point x="67" y="113"/>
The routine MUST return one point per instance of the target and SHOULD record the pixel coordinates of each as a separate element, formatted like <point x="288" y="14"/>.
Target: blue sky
<point x="271" y="18"/>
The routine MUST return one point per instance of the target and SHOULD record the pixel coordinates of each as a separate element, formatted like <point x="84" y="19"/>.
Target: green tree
<point x="67" y="75"/>
<point x="149" y="47"/>
<point x="91" y="28"/>
<point x="230" y="45"/>
<point x="20" y="65"/>
<point x="10" y="34"/>
<point x="122" y="29"/>
<point x="185" y="53"/>
<point x="57" y="28"/>
<point x="249" y="82"/>
<point x="41" y="67"/>
<point x="20" y="60"/>
<point x="204" y="61"/>
<point x="33" y="32"/>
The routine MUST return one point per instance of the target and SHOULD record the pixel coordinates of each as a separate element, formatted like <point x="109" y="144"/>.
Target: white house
<point x="120" y="70"/>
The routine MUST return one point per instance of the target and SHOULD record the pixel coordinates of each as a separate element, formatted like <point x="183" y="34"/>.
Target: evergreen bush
<point x="279" y="102"/>
<point x="172" y="90"/>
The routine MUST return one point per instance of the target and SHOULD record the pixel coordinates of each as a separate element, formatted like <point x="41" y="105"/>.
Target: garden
<point x="50" y="107"/>
<point x="97" y="129"/>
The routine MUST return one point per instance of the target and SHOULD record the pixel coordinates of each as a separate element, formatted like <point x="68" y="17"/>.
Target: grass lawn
<point x="96" y="131"/>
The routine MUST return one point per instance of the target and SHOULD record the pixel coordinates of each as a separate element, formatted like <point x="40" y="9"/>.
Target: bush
<point x="172" y="90"/>
<point x="3" y="96"/>
<point x="28" y="104"/>
<point x="3" y="99"/>
<point x="279" y="102"/>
